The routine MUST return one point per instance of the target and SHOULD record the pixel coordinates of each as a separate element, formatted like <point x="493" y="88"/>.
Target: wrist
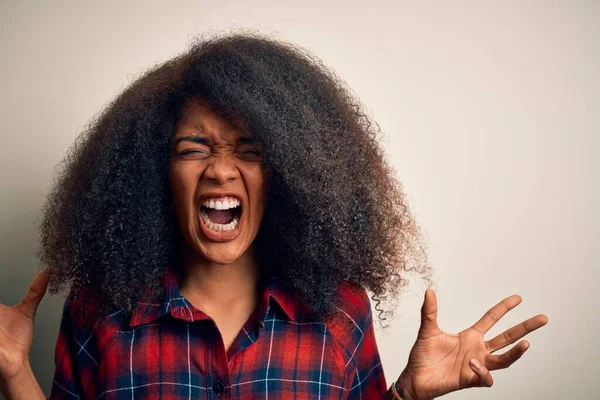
<point x="21" y="374"/>
<point x="22" y="385"/>
<point x="406" y="383"/>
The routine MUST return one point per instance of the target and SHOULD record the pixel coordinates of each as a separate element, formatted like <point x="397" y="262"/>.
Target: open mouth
<point x="221" y="216"/>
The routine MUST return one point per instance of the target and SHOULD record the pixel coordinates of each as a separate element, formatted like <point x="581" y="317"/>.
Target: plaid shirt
<point x="168" y="349"/>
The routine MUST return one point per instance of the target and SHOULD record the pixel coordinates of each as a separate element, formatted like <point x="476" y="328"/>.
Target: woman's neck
<point x="220" y="285"/>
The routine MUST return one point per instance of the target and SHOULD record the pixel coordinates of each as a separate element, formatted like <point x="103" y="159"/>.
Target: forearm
<point x="23" y="386"/>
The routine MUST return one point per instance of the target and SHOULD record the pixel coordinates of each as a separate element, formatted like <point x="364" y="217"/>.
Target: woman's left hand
<point x="441" y="362"/>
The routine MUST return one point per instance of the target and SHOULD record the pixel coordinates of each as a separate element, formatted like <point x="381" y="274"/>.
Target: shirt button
<point x="218" y="386"/>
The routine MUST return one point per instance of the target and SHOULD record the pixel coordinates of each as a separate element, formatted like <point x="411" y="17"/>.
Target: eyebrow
<point x="209" y="142"/>
<point x="248" y="140"/>
<point x="194" y="139"/>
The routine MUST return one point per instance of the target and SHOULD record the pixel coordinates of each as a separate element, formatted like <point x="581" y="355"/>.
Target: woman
<point x="218" y="226"/>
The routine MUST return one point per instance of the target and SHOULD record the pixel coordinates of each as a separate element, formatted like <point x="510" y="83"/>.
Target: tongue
<point x="220" y="216"/>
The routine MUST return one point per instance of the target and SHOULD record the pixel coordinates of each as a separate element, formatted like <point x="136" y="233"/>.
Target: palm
<point x="16" y="328"/>
<point x="439" y="361"/>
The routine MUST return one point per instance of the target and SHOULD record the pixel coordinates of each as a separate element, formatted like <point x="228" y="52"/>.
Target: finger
<point x="494" y="314"/>
<point x="429" y="324"/>
<point x="517" y="332"/>
<point x="506" y="359"/>
<point x="484" y="378"/>
<point x="34" y="294"/>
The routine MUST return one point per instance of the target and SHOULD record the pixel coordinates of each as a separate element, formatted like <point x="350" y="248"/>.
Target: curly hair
<point x="335" y="211"/>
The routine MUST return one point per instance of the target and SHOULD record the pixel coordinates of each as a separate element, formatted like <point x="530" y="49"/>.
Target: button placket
<point x="219" y="369"/>
<point x="218" y="386"/>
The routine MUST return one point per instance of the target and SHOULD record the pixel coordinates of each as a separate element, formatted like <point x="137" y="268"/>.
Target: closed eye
<point x="250" y="155"/>
<point x="193" y="153"/>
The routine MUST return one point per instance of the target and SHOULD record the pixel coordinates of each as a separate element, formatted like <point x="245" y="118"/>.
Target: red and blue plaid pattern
<point x="170" y="350"/>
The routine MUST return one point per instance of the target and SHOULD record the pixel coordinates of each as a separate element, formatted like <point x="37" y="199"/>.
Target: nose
<point x="222" y="169"/>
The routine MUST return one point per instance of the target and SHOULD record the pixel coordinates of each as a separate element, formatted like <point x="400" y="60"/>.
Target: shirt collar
<point x="275" y="293"/>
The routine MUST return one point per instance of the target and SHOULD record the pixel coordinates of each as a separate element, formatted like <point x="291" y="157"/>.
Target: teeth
<point x="221" y="203"/>
<point x="219" y="227"/>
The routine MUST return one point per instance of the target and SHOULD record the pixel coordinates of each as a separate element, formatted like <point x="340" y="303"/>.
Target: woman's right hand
<point x="16" y="328"/>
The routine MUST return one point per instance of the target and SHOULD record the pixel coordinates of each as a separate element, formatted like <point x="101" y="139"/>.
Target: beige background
<point x="491" y="116"/>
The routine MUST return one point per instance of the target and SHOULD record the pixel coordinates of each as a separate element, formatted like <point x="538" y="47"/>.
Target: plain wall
<point x="490" y="112"/>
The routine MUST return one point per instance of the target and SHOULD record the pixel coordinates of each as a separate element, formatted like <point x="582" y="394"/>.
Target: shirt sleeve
<point x="67" y="382"/>
<point x="369" y="380"/>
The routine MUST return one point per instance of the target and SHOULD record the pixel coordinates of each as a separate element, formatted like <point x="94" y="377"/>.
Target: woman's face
<point x="217" y="184"/>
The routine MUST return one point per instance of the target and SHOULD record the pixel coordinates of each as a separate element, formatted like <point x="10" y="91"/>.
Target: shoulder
<point x="354" y="303"/>
<point x="352" y="317"/>
<point x="353" y="306"/>
<point x="86" y="325"/>
<point x="81" y="343"/>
